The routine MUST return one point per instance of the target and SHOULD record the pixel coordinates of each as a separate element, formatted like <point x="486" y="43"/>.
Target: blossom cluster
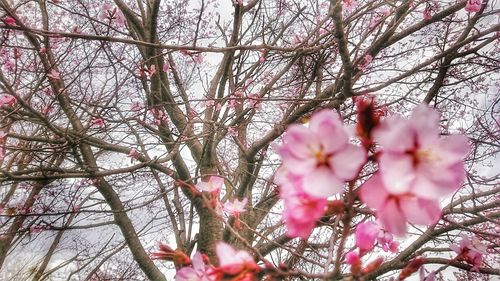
<point x="470" y="250"/>
<point x="316" y="162"/>
<point x="416" y="167"/>
<point x="236" y="265"/>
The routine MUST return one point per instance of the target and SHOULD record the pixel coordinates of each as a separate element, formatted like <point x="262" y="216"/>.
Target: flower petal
<point x="329" y="131"/>
<point x="322" y="182"/>
<point x="395" y="134"/>
<point x="421" y="211"/>
<point x="425" y="121"/>
<point x="373" y="193"/>
<point x="392" y="219"/>
<point x="397" y="172"/>
<point x="347" y="162"/>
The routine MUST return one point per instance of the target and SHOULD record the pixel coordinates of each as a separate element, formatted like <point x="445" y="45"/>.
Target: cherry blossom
<point x="394" y="210"/>
<point x="214" y="184"/>
<point x="232" y="131"/>
<point x="10" y="21"/>
<point x="430" y="277"/>
<point x="54" y="74"/>
<point x="301" y="214"/>
<point x="112" y="13"/>
<point x="198" y="272"/>
<point x="349" y="5"/>
<point x="352" y="258"/>
<point x="97" y="122"/>
<point x="235" y="262"/>
<point x="415" y="159"/>
<point x="301" y="210"/>
<point x="471" y="251"/>
<point x="236" y="207"/>
<point x="254" y="101"/>
<point x="321" y="154"/>
<point x="473" y="6"/>
<point x="387" y="242"/>
<point x="427" y="14"/>
<point x="367" y="60"/>
<point x="7" y="100"/>
<point x="133" y="153"/>
<point x="366" y="234"/>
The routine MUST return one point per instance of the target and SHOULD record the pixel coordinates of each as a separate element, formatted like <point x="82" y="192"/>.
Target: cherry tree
<point x="249" y="139"/>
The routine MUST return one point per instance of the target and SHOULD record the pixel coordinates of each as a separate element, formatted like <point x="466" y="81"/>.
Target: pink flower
<point x="54" y="74"/>
<point x="386" y="241"/>
<point x="367" y="60"/>
<point x="151" y="71"/>
<point x="352" y="258"/>
<point x="198" y="272"/>
<point x="349" y="5"/>
<point x="470" y="251"/>
<point x="427" y="14"/>
<point x="232" y="131"/>
<point x="112" y="13"/>
<point x="415" y="159"/>
<point x="197" y="58"/>
<point x="430" y="277"/>
<point x="366" y="235"/>
<point x="133" y="153"/>
<point x="394" y="210"/>
<point x="234" y="262"/>
<point x="10" y="21"/>
<point x="214" y="184"/>
<point x="473" y="6"/>
<point x="6" y="99"/>
<point x="301" y="214"/>
<point x="254" y="101"/>
<point x="301" y="210"/>
<point x="159" y="116"/>
<point x="97" y="122"/>
<point x="321" y="154"/>
<point x="236" y="207"/>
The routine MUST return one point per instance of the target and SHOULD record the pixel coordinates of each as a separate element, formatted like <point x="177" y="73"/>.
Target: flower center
<point x="321" y="158"/>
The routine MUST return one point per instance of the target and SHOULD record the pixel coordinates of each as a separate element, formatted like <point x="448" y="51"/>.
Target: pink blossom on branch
<point x="321" y="154"/>
<point x="234" y="262"/>
<point x="386" y="242"/>
<point x="301" y="214"/>
<point x="7" y="100"/>
<point x="301" y="210"/>
<point x="473" y="6"/>
<point x="395" y="210"/>
<point x="349" y="5"/>
<point x="236" y="207"/>
<point x="471" y="251"/>
<point x="366" y="234"/>
<point x="54" y="74"/>
<point x="414" y="158"/>
<point x="198" y="272"/>
<point x="214" y="184"/>
<point x="10" y="21"/>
